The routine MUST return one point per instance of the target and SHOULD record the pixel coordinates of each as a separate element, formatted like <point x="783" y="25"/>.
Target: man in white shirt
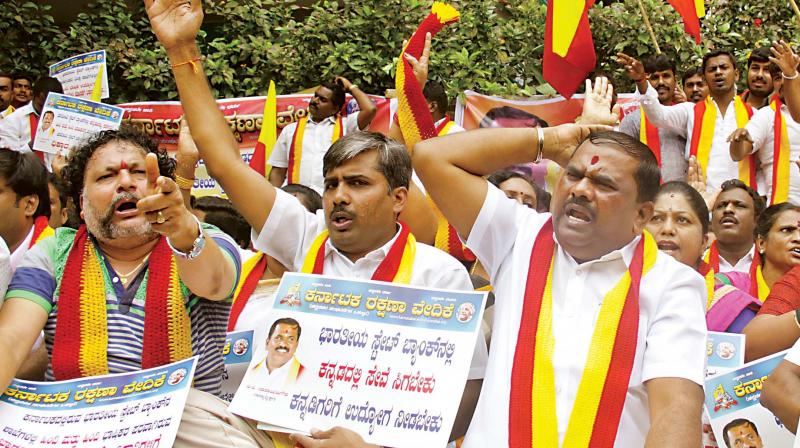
<point x="366" y="190"/>
<point x="18" y="130"/>
<point x="733" y="220"/>
<point x="721" y="76"/>
<point x="324" y="119"/>
<point x="280" y="367"/>
<point x="6" y="94"/>
<point x="758" y="138"/>
<point x="600" y="206"/>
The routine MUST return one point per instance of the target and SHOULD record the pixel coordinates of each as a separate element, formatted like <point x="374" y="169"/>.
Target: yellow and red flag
<point x="268" y="135"/>
<point x="690" y="11"/>
<point x="568" y="47"/>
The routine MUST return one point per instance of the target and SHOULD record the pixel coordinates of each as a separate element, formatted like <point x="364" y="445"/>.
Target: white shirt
<point x="15" y="132"/>
<point x="743" y="265"/>
<point x="453" y="129"/>
<point x="290" y="229"/>
<point x="316" y="141"/>
<point x="762" y="130"/>
<point x="21" y="250"/>
<point x="276" y="379"/>
<point x="5" y="269"/>
<point x="680" y="118"/>
<point x="672" y="327"/>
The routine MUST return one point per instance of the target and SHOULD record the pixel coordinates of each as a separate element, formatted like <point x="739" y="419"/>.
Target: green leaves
<point x="495" y="48"/>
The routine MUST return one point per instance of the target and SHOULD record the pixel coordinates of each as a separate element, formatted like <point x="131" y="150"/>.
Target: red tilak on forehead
<point x="595" y="159"/>
<point x="123" y="165"/>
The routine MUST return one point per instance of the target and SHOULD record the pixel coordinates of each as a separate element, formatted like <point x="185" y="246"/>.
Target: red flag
<point x="690" y="11"/>
<point x="568" y="47"/>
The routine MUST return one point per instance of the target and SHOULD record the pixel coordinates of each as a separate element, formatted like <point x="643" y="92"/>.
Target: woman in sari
<point x="680" y="226"/>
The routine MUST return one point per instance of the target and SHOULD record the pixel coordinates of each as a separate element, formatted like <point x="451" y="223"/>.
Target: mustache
<point x="120" y="197"/>
<point x="341" y="209"/>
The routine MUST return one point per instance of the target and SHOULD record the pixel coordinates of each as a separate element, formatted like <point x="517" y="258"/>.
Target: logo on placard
<point x="176" y="376"/>
<point x="292" y="297"/>
<point x="722" y="399"/>
<point x="726" y="350"/>
<point x="465" y="312"/>
<point x="240" y="347"/>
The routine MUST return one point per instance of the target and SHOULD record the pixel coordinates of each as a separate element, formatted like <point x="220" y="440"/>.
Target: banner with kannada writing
<point x="67" y="121"/>
<point x="78" y="74"/>
<point x="385" y="360"/>
<point x="161" y="121"/>
<point x="737" y="417"/>
<point x="237" y="352"/>
<point x="138" y="409"/>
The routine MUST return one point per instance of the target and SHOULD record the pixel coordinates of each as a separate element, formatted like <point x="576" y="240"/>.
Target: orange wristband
<point x="192" y="62"/>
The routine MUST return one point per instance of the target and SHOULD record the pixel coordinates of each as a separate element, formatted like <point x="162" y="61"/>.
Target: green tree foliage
<point x="496" y="48"/>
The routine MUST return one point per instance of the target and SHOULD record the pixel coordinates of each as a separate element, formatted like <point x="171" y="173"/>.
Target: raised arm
<point x="451" y="166"/>
<point x="175" y="24"/>
<point x="366" y="107"/>
<point x="785" y="58"/>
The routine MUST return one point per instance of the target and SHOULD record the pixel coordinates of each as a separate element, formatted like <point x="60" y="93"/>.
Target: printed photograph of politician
<point x="280" y="367"/>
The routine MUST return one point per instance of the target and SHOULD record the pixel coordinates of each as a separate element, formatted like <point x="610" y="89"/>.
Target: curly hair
<point x="74" y="172"/>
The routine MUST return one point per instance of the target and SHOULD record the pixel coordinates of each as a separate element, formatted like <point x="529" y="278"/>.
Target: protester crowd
<point x="676" y="220"/>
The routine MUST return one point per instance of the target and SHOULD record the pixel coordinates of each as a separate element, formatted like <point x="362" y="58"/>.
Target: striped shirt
<point x="38" y="279"/>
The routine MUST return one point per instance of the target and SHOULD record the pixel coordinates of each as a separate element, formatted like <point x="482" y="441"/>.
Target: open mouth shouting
<point x="578" y="215"/>
<point x="341" y="220"/>
<point x="125" y="207"/>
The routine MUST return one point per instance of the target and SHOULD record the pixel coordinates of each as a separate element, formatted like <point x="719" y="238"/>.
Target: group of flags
<point x="568" y="47"/>
<point x="569" y="57"/>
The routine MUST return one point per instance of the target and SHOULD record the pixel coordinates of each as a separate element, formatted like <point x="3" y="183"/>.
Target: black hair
<point x="510" y="112"/>
<point x="498" y="177"/>
<point x="694" y="71"/>
<point x="393" y="159"/>
<point x="26" y="175"/>
<point x="434" y="92"/>
<point x="768" y="217"/>
<point x="232" y="223"/>
<point x="734" y="423"/>
<point x="715" y="53"/>
<point x="7" y="75"/>
<point x="212" y="204"/>
<point x="695" y="200"/>
<point x="313" y="201"/>
<point x="47" y="84"/>
<point x="22" y="75"/>
<point x="659" y="63"/>
<point x="58" y="184"/>
<point x="337" y="93"/>
<point x="74" y="172"/>
<point x="285" y="321"/>
<point x="647" y="174"/>
<point x="758" y="201"/>
<point x="760" y="54"/>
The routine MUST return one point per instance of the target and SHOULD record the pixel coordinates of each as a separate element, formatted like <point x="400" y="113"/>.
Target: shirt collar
<point x="377" y="254"/>
<point x="625" y="252"/>
<point x="331" y="119"/>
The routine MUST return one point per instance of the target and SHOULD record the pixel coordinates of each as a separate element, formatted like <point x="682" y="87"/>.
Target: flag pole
<point x="650" y="28"/>
<point x="795" y="8"/>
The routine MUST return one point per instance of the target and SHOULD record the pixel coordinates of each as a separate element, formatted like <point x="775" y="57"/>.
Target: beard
<point x="101" y="225"/>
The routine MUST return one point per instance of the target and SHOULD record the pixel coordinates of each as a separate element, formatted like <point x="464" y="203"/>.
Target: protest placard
<point x="67" y="121"/>
<point x="138" y="409"/>
<point x="386" y="360"/>
<point x="725" y="352"/>
<point x="237" y="352"/>
<point x="80" y="75"/>
<point x="732" y="401"/>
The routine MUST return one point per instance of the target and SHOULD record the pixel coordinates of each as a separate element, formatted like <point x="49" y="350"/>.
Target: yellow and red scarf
<point x="41" y="230"/>
<point x="416" y="122"/>
<point x="781" y="156"/>
<point x="396" y="267"/>
<point x="604" y="384"/>
<point x="708" y="273"/>
<point x="705" y="117"/>
<point x="81" y="340"/>
<point x="252" y="271"/>
<point x="758" y="286"/>
<point x="296" y="147"/>
<point x="648" y="134"/>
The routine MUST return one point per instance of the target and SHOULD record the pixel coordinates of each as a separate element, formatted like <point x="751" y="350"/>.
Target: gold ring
<point x="161" y="219"/>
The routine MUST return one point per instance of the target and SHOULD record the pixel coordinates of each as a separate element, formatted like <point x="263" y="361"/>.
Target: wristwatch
<point x="197" y="246"/>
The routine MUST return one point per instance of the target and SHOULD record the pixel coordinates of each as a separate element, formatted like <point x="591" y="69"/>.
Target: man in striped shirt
<point x="135" y="220"/>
